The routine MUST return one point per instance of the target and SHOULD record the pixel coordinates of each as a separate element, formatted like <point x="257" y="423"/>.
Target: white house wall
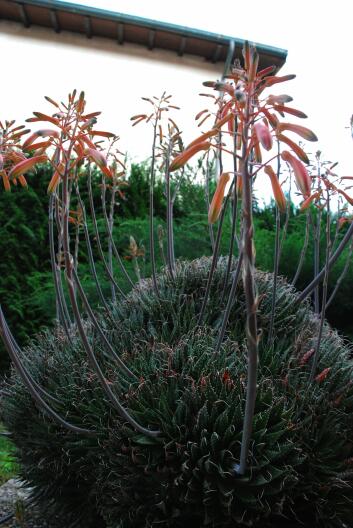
<point x="37" y="62"/>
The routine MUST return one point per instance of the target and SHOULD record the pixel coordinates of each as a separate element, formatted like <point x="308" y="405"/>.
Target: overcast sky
<point x="317" y="35"/>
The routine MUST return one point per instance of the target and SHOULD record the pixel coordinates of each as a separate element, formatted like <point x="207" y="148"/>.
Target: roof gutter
<point x="120" y="18"/>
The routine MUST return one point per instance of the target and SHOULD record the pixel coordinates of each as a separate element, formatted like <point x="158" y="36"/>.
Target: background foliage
<point x="26" y="290"/>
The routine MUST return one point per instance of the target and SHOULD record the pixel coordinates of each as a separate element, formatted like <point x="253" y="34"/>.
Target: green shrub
<point x="26" y="283"/>
<point x="301" y="449"/>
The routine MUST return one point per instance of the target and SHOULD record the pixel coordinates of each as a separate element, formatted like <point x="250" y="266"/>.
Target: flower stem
<point x="250" y="299"/>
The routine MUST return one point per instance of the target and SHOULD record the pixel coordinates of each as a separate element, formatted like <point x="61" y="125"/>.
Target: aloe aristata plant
<point x="251" y="127"/>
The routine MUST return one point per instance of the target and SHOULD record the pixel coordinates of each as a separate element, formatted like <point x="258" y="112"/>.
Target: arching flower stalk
<point x="170" y="142"/>
<point x="326" y="195"/>
<point x="207" y="168"/>
<point x="68" y="146"/>
<point x="280" y="208"/>
<point x="257" y="127"/>
<point x="342" y="275"/>
<point x="337" y="185"/>
<point x="159" y="107"/>
<point x="114" y="185"/>
<point x="317" y="235"/>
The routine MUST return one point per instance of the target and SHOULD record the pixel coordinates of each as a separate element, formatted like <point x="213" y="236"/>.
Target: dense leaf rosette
<point x="301" y="449"/>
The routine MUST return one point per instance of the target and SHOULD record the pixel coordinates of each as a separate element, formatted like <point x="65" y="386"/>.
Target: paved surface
<point x="13" y="500"/>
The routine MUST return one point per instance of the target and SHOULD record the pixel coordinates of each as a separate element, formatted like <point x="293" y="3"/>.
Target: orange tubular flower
<point x="276" y="188"/>
<point x="187" y="154"/>
<point x="37" y="146"/>
<point x="263" y="134"/>
<point x="102" y="133"/>
<point x="288" y="110"/>
<point x="220" y="86"/>
<point x="223" y="120"/>
<point x="346" y="196"/>
<point x="239" y="186"/>
<point x="301" y="174"/>
<point x="26" y="165"/>
<point x="279" y="99"/>
<point x="98" y="157"/>
<point x="217" y="200"/>
<point x="55" y="180"/>
<point x="40" y="133"/>
<point x="304" y="132"/>
<point x="309" y="201"/>
<point x="43" y="117"/>
<point x="22" y="180"/>
<point x="257" y="151"/>
<point x="239" y="136"/>
<point x="211" y="133"/>
<point x="270" y="81"/>
<point x="6" y="182"/>
<point x="298" y="150"/>
<point x="272" y="118"/>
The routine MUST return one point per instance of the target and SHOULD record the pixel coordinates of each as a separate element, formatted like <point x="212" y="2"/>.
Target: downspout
<point x="229" y="58"/>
